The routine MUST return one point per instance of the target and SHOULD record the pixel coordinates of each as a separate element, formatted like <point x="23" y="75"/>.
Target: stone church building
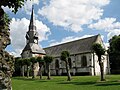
<point x="83" y="60"/>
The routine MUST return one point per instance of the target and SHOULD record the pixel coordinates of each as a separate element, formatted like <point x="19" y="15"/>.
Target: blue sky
<point x="60" y="21"/>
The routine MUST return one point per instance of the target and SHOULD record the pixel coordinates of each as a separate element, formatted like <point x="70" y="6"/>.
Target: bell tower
<point x="32" y="34"/>
<point x="32" y="48"/>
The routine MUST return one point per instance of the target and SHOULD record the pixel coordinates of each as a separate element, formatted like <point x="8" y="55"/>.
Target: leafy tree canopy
<point x="115" y="44"/>
<point x="39" y="59"/>
<point x="99" y="50"/>
<point x="48" y="59"/>
<point x="65" y="55"/>
<point x="27" y="61"/>
<point x="15" y="4"/>
<point x="33" y="59"/>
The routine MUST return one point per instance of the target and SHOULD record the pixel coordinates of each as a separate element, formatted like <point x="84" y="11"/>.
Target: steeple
<point x="32" y="34"/>
<point x="32" y="38"/>
<point x="32" y="26"/>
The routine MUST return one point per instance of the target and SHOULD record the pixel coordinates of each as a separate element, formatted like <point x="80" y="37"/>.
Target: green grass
<point x="59" y="83"/>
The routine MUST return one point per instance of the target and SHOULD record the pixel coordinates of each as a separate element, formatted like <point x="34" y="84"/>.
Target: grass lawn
<point x="60" y="83"/>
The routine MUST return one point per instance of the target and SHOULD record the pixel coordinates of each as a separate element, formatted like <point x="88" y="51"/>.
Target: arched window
<point x="57" y="64"/>
<point x="70" y="63"/>
<point x="83" y="61"/>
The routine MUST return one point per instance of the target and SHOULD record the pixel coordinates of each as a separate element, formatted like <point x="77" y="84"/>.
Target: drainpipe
<point x="75" y="64"/>
<point x="94" y="64"/>
<point x="108" y="64"/>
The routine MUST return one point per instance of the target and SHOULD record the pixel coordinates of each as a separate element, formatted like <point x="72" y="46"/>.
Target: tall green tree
<point x="114" y="54"/>
<point x="33" y="61"/>
<point x="115" y="44"/>
<point x="65" y="56"/>
<point x="28" y="64"/>
<point x="99" y="50"/>
<point x="18" y="64"/>
<point x="21" y="64"/>
<point x="5" y="82"/>
<point x="48" y="60"/>
<point x="22" y="61"/>
<point x="40" y="60"/>
<point x="17" y="67"/>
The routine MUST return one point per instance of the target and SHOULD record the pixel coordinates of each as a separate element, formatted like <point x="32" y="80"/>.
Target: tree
<point x="28" y="63"/>
<point x="33" y="61"/>
<point x="5" y="74"/>
<point x="114" y="54"/>
<point x="65" y="56"/>
<point x="99" y="50"/>
<point x="12" y="4"/>
<point x="22" y="63"/>
<point x="115" y="44"/>
<point x="17" y="67"/>
<point x="41" y="63"/>
<point x="48" y="60"/>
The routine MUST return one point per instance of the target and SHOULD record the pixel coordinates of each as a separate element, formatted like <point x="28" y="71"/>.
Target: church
<point x="83" y="60"/>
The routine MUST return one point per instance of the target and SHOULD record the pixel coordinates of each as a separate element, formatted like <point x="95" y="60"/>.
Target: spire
<point x="32" y="26"/>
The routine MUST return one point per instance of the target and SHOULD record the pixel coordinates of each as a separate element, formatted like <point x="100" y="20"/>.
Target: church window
<point x="70" y="63"/>
<point x="57" y="63"/>
<point x="27" y="52"/>
<point x="90" y="59"/>
<point x="83" y="61"/>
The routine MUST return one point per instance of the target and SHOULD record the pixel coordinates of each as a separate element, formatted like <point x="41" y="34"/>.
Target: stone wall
<point x="77" y="69"/>
<point x="75" y="66"/>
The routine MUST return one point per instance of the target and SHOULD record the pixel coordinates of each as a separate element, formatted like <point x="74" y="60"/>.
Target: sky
<point x="60" y="21"/>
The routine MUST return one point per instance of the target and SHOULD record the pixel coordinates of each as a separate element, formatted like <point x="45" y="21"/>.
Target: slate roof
<point x="34" y="48"/>
<point x="74" y="47"/>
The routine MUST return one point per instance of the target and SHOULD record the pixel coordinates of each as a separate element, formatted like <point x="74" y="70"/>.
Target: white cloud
<point x="6" y="9"/>
<point x="16" y="52"/>
<point x="105" y="24"/>
<point x="109" y="25"/>
<point x="43" y="30"/>
<point x="18" y="29"/>
<point x="68" y="39"/>
<point x="26" y="7"/>
<point x="112" y="33"/>
<point x="73" y="14"/>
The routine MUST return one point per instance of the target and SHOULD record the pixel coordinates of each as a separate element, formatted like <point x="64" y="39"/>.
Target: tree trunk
<point x="40" y="70"/>
<point x="33" y="71"/>
<point x="23" y="71"/>
<point x="6" y="60"/>
<point x="28" y="69"/>
<point x="101" y="68"/>
<point x="68" y="71"/>
<point x="48" y="72"/>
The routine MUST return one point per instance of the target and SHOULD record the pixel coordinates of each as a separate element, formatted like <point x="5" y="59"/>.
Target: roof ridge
<point x="72" y="41"/>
